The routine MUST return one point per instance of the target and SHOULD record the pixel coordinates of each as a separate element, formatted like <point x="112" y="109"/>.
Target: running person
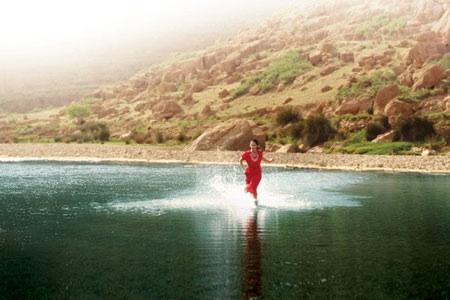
<point x="253" y="171"/>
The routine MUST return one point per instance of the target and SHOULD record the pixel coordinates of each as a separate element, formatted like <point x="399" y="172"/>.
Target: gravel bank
<point x="138" y="153"/>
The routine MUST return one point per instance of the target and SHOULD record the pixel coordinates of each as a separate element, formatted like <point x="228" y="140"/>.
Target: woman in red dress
<point x="253" y="172"/>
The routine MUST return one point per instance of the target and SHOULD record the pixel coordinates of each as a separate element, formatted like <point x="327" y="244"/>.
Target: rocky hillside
<point x="352" y="63"/>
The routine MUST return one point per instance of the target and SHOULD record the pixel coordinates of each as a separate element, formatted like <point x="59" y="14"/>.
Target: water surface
<point x="89" y="230"/>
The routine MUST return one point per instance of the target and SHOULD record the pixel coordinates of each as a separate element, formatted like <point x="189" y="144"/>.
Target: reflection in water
<point x="251" y="284"/>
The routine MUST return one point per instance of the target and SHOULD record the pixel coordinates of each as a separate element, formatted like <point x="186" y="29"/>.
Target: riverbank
<point x="150" y="154"/>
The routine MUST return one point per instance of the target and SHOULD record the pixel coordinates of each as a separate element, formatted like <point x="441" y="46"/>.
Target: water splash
<point x="225" y="191"/>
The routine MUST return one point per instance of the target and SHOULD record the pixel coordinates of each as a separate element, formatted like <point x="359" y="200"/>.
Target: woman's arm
<point x="240" y="162"/>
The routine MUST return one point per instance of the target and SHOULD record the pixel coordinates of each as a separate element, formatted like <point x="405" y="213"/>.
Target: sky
<point x="59" y="28"/>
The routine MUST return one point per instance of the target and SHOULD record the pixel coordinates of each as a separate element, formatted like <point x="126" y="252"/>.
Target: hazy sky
<point x="34" y="29"/>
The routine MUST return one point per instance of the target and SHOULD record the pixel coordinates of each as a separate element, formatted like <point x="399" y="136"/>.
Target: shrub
<point x="407" y="94"/>
<point x="287" y="116"/>
<point x="97" y="130"/>
<point x="297" y="130"/>
<point x="181" y="137"/>
<point x="283" y="70"/>
<point x="317" y="130"/>
<point x="368" y="86"/>
<point x="373" y="130"/>
<point x="159" y="137"/>
<point x="413" y="129"/>
<point x="377" y="149"/>
<point x="78" y="111"/>
<point x="445" y="61"/>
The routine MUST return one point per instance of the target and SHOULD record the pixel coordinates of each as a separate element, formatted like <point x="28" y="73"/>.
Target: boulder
<point x="347" y="57"/>
<point x="272" y="147"/>
<point x="429" y="46"/>
<point x="223" y="93"/>
<point x="326" y="89"/>
<point x="167" y="109"/>
<point x="397" y="107"/>
<point x="428" y="78"/>
<point x="232" y="135"/>
<point x="328" y="48"/>
<point x="166" y="87"/>
<point x="288" y="148"/>
<point x="207" y="111"/>
<point x="315" y="59"/>
<point x="280" y="87"/>
<point x="328" y="70"/>
<point x="197" y="87"/>
<point x="384" y="137"/>
<point x="353" y="107"/>
<point x="383" y="97"/>
<point x="367" y="62"/>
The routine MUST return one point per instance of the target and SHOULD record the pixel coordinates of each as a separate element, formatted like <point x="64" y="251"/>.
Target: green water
<point x="99" y="231"/>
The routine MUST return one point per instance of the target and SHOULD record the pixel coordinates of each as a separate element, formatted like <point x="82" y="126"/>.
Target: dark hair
<point x="255" y="141"/>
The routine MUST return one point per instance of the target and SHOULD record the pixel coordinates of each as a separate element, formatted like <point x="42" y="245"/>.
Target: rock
<point x="280" y="87"/>
<point x="353" y="107"/>
<point x="302" y="148"/>
<point x="254" y="90"/>
<point x="383" y="97"/>
<point x="167" y="109"/>
<point x="328" y="48"/>
<point x="326" y="89"/>
<point x="198" y="87"/>
<point x="384" y="137"/>
<point x="176" y="76"/>
<point x="272" y="147"/>
<point x="232" y="135"/>
<point x="347" y="57"/>
<point x="429" y="46"/>
<point x="230" y="65"/>
<point x="187" y="99"/>
<point x="223" y="93"/>
<point x="316" y="149"/>
<point x="396" y="108"/>
<point x="367" y="62"/>
<point x="429" y="77"/>
<point x="207" y="111"/>
<point x="425" y="152"/>
<point x="288" y="148"/>
<point x="288" y="100"/>
<point x="406" y="78"/>
<point x="328" y="70"/>
<point x="166" y="87"/>
<point x="315" y="59"/>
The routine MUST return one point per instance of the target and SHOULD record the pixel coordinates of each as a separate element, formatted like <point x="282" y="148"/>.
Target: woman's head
<point x="254" y="144"/>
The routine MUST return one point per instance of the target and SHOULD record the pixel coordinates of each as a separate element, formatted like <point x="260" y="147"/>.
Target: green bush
<point x="407" y="94"/>
<point x="368" y="86"/>
<point x="297" y="130"/>
<point x="78" y="111"/>
<point x="389" y="23"/>
<point x="377" y="149"/>
<point x="159" y="137"/>
<point x="374" y="129"/>
<point x="287" y="116"/>
<point x="445" y="61"/>
<point x="96" y="131"/>
<point x="413" y="129"/>
<point x="283" y="70"/>
<point x="317" y="130"/>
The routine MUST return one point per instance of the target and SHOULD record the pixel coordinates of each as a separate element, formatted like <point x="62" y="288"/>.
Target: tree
<point x="78" y="111"/>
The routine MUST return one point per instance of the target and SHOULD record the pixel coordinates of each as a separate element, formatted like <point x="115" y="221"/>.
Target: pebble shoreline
<point x="149" y="154"/>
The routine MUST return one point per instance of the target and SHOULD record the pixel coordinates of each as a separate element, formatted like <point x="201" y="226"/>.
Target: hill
<point x="365" y="67"/>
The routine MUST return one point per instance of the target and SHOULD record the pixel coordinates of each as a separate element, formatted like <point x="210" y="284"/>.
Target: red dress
<point x="253" y="171"/>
